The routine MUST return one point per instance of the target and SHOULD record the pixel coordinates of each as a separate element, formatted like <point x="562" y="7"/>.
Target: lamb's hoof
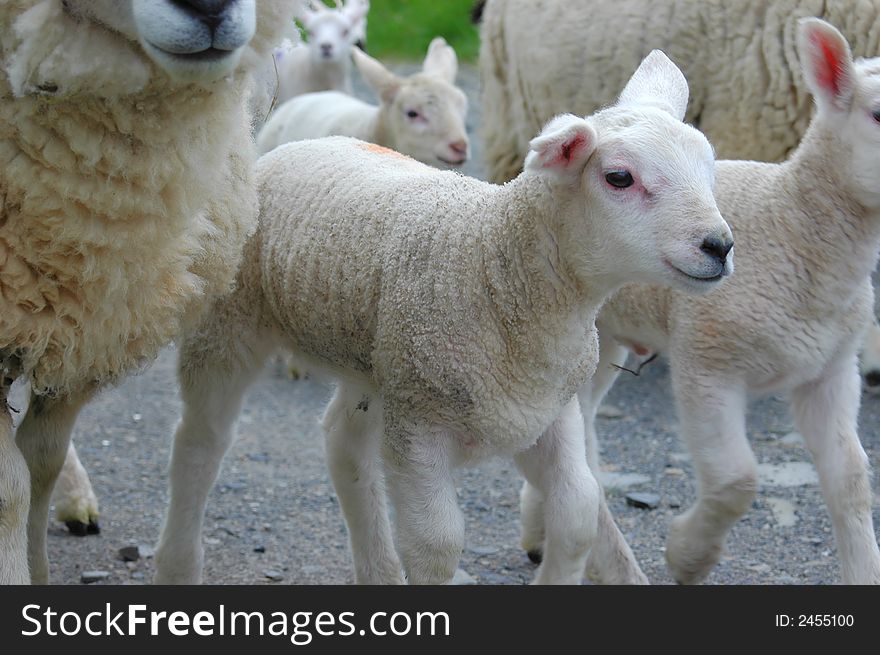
<point x="871" y="381"/>
<point x="80" y="529"/>
<point x="536" y="556"/>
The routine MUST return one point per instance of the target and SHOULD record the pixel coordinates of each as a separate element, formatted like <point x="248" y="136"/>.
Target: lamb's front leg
<point x="14" y="502"/>
<point x="43" y="437"/>
<point x="430" y="525"/>
<point x="556" y="466"/>
<point x="353" y="436"/>
<point x="825" y="413"/>
<point x="712" y="415"/>
<point x="75" y="502"/>
<point x="217" y="365"/>
<point x="869" y="360"/>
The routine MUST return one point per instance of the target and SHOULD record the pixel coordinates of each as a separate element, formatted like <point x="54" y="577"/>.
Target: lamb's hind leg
<point x="75" y="502"/>
<point x="353" y="436"/>
<point x="713" y="427"/>
<point x="14" y="501"/>
<point x="556" y="466"/>
<point x="826" y="412"/>
<point x="43" y="437"/>
<point x="217" y="365"/>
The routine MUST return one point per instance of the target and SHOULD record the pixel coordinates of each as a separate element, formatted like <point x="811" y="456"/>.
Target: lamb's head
<point x="423" y="114"/>
<point x="847" y="95"/>
<point x="635" y="183"/>
<point x="332" y="32"/>
<point x="113" y="47"/>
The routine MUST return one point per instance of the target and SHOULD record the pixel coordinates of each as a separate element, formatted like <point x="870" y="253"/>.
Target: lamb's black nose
<point x="716" y="247"/>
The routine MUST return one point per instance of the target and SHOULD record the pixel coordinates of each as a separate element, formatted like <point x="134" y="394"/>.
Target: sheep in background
<point x="422" y="115"/>
<point x="747" y="94"/>
<point x="126" y="194"/>
<point x="808" y="235"/>
<point x="457" y="316"/>
<point x="323" y="63"/>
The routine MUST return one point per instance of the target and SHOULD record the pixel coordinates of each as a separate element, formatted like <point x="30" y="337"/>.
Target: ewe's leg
<point x="713" y="428"/>
<point x="217" y="365"/>
<point x="430" y="525"/>
<point x="557" y="467"/>
<point x="43" y="437"/>
<point x="826" y="412"/>
<point x="353" y="433"/>
<point x="869" y="363"/>
<point x="14" y="503"/>
<point x="75" y="502"/>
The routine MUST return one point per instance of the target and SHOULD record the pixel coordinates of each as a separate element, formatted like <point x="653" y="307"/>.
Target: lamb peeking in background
<point x="456" y="315"/>
<point x="323" y="63"/>
<point x="422" y="115"/>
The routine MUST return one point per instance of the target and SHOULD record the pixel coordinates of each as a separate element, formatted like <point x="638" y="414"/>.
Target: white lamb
<point x="324" y="62"/>
<point x="739" y="56"/>
<point x="126" y="194"/>
<point x="457" y="316"/>
<point x="422" y="115"/>
<point x="808" y="236"/>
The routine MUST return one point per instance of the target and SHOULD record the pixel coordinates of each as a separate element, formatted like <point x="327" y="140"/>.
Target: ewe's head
<point x="109" y="48"/>
<point x="847" y="98"/>
<point x="332" y="32"/>
<point x="639" y="184"/>
<point x="424" y="113"/>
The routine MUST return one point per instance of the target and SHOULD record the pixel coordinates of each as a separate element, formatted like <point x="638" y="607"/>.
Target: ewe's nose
<point x="717" y="247"/>
<point x="209" y="12"/>
<point x="326" y="49"/>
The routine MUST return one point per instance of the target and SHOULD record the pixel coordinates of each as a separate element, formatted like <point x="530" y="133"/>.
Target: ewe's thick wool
<point x="125" y="197"/>
<point x="740" y="60"/>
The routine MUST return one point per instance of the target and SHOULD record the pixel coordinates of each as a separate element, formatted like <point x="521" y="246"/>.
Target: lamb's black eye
<point x="620" y="179"/>
<point x="876" y="115"/>
<point x="412" y="113"/>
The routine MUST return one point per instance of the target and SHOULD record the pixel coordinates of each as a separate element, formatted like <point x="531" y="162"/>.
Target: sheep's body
<point x="789" y="321"/>
<point x="307" y="117"/>
<point x="126" y="197"/>
<point x="457" y="316"/>
<point x="747" y="95"/>
<point x="422" y="115"/>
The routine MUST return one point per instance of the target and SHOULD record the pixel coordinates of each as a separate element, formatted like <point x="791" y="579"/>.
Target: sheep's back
<point x="342" y="223"/>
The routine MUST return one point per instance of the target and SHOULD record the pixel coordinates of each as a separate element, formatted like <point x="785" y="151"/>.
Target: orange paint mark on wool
<point x="382" y="150"/>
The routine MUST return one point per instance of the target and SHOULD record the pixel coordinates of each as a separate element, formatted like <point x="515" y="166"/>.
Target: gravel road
<point x="273" y="517"/>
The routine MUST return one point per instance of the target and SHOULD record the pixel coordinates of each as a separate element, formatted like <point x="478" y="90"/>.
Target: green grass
<point x="402" y="29"/>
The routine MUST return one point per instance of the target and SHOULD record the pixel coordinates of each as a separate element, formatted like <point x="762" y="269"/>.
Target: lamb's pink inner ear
<point x="561" y="154"/>
<point x="828" y="62"/>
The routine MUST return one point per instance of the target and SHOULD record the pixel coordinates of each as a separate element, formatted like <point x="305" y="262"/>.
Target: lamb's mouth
<point x="698" y="278"/>
<point x="452" y="162"/>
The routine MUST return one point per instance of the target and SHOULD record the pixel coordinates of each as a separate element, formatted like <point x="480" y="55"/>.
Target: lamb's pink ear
<point x="827" y="63"/>
<point x="563" y="147"/>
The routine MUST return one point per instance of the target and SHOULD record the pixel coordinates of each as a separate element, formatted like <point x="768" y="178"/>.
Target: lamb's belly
<point x="801" y="356"/>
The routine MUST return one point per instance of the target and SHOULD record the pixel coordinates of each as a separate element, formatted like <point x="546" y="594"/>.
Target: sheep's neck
<point x="530" y="283"/>
<point x="837" y="237"/>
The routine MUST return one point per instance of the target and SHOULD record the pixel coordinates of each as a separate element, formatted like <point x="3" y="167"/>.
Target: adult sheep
<point x="125" y="197"/>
